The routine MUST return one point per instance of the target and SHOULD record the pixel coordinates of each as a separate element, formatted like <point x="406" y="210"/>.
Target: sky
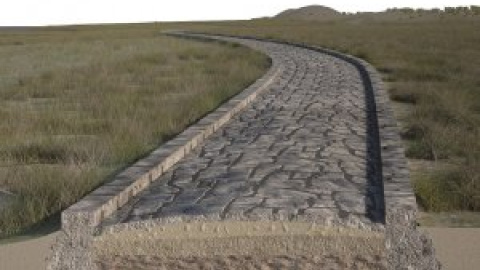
<point x="60" y="12"/>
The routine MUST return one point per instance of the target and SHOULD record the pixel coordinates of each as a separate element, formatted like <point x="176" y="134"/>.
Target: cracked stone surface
<point x="301" y="148"/>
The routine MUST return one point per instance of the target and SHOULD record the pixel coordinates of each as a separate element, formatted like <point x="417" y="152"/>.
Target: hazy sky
<point x="52" y="12"/>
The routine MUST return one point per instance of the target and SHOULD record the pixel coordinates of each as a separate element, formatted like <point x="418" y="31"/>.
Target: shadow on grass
<point x="43" y="228"/>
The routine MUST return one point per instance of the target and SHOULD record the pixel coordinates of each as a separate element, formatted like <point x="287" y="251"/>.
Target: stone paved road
<point x="301" y="148"/>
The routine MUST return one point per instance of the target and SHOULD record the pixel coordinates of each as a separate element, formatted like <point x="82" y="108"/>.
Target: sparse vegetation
<point x="80" y="103"/>
<point x="430" y="63"/>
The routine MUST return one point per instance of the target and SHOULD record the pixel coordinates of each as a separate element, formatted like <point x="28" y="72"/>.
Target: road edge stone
<point x="79" y="222"/>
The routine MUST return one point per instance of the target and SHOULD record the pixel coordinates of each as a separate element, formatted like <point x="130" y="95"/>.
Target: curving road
<point x="311" y="173"/>
<point x="304" y="148"/>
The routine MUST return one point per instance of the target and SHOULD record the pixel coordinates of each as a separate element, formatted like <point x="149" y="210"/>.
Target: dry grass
<point x="80" y="103"/>
<point x="431" y="62"/>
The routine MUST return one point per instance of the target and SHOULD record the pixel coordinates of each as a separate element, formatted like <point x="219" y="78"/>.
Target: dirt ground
<point x="457" y="249"/>
<point x="242" y="263"/>
<point x="28" y="254"/>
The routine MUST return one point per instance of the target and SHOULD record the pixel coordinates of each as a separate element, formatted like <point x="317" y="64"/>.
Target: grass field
<point x="431" y="64"/>
<point x="77" y="104"/>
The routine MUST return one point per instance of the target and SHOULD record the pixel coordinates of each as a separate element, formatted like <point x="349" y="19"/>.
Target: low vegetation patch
<point x="429" y="59"/>
<point x="80" y="103"/>
<point x="448" y="190"/>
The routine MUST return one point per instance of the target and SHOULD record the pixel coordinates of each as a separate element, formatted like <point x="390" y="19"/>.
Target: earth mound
<point x="314" y="12"/>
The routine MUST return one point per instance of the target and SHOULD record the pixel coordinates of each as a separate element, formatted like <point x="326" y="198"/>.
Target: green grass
<point x="77" y="104"/>
<point x="431" y="62"/>
<point x="447" y="190"/>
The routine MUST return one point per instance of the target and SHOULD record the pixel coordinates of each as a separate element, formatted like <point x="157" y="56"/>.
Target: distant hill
<point x="309" y="13"/>
<point x="321" y="13"/>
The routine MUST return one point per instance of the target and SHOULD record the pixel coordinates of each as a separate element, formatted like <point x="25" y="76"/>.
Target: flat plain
<point x="76" y="103"/>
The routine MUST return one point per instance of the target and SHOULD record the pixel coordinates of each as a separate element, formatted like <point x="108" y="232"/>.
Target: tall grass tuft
<point x="80" y="104"/>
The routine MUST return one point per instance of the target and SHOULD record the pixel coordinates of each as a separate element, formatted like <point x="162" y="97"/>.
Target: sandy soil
<point x="26" y="255"/>
<point x="242" y="263"/>
<point x="457" y="248"/>
<point x="237" y="245"/>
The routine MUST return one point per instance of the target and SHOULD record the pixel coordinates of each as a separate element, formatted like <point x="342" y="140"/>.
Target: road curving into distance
<point x="302" y="169"/>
